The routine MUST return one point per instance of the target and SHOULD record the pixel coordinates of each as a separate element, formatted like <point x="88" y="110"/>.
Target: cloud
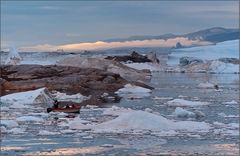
<point x="108" y="45"/>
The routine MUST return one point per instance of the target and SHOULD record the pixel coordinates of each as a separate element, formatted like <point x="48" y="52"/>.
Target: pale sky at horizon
<point x="41" y="22"/>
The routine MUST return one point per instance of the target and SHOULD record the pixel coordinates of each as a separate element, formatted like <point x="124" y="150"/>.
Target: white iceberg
<point x="141" y="120"/>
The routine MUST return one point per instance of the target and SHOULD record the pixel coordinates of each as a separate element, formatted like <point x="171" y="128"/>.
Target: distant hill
<point x="215" y="35"/>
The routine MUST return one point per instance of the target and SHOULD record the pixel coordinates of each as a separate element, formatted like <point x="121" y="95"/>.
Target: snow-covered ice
<point x="29" y="97"/>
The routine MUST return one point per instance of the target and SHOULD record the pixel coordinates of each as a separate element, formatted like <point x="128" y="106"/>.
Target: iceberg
<point x="13" y="57"/>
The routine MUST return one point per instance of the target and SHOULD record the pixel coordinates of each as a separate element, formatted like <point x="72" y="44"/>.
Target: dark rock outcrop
<point x="134" y="57"/>
<point x="70" y="80"/>
<point x="111" y="66"/>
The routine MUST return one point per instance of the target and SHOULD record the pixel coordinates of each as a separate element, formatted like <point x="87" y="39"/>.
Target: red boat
<point x="70" y="109"/>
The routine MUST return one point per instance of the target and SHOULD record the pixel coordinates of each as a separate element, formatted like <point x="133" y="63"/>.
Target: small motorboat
<point x="70" y="109"/>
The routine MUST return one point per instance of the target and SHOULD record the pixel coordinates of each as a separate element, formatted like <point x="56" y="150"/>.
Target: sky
<point x="29" y="23"/>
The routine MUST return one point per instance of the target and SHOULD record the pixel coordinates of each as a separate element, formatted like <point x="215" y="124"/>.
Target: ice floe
<point x="180" y="112"/>
<point x="29" y="119"/>
<point x="17" y="131"/>
<point x="233" y="102"/>
<point x="130" y="90"/>
<point x="9" y="123"/>
<point x="140" y="66"/>
<point x="74" y="98"/>
<point x="185" y="103"/>
<point x="45" y="132"/>
<point x="207" y="85"/>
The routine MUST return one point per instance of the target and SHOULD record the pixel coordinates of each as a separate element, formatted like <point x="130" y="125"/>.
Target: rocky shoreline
<point x="67" y="79"/>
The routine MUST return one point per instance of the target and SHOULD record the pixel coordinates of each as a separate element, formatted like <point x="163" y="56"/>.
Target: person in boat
<point x="55" y="104"/>
<point x="67" y="106"/>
